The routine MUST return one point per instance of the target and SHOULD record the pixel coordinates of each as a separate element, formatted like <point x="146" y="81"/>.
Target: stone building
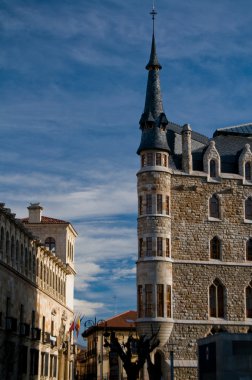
<point x="194" y="267"/>
<point x="99" y="362"/>
<point x="35" y="307"/>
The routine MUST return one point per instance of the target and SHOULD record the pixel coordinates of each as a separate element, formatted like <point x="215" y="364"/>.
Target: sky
<point x="72" y="90"/>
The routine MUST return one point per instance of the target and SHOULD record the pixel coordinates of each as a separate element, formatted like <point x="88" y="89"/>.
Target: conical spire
<point x="153" y="121"/>
<point x="153" y="62"/>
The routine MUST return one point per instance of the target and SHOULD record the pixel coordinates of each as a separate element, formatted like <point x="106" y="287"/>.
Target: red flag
<point x="71" y="327"/>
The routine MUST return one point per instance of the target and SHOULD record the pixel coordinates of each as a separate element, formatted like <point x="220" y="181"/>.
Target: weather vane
<point x="153" y="13"/>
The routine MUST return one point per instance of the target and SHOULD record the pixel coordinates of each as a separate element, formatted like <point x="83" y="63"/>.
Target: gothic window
<point x="213" y="171"/>
<point x="214" y="207"/>
<point x="140" y="205"/>
<point x="167" y="205"/>
<point x="248" y="208"/>
<point x="140" y="247"/>
<point x="159" y="246"/>
<point x="167" y="252"/>
<point x="148" y="246"/>
<point x="140" y="300"/>
<point x="160" y="300"/>
<point x="159" y="203"/>
<point x="50" y="244"/>
<point x="248" y="171"/>
<point x="148" y="300"/>
<point x="249" y="250"/>
<point x="158" y="159"/>
<point x="215" y="248"/>
<point x="148" y="204"/>
<point x="149" y="159"/>
<point x="249" y="301"/>
<point x="168" y="301"/>
<point x="216" y="299"/>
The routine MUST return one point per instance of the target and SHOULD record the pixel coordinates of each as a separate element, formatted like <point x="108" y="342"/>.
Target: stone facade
<point x="194" y="268"/>
<point x="34" y="312"/>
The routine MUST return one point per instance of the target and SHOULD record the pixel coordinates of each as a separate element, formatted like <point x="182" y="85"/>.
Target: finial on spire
<point x="153" y="13"/>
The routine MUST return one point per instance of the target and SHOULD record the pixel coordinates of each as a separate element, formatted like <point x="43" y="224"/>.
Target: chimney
<point x="187" y="148"/>
<point x="34" y="213"/>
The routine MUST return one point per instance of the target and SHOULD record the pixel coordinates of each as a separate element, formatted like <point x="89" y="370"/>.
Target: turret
<point x="154" y="265"/>
<point x="153" y="121"/>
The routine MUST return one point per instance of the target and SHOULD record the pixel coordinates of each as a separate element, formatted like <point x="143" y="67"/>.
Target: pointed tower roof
<point x="153" y="121"/>
<point x="153" y="61"/>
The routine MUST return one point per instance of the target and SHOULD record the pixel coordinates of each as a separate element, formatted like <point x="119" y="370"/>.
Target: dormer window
<point x="213" y="171"/>
<point x="50" y="244"/>
<point x="248" y="171"/>
<point x="212" y="162"/>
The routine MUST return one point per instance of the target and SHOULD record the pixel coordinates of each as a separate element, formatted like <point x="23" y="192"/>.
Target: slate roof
<point x="238" y="130"/>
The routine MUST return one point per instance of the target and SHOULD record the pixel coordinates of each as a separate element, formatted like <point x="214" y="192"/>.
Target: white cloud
<point x="87" y="308"/>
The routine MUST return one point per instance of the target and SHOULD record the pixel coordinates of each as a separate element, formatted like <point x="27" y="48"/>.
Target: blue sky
<point x="72" y="89"/>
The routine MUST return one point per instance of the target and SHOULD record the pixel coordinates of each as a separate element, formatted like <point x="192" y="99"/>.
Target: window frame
<point x="215" y="248"/>
<point x="214" y="207"/>
<point x="248" y="300"/>
<point x="216" y="299"/>
<point x="248" y="208"/>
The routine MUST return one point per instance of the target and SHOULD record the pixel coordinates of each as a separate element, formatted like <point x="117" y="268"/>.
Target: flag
<point x="71" y="328"/>
<point x="77" y="326"/>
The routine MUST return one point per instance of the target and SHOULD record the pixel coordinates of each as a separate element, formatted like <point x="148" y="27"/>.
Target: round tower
<point x="154" y="264"/>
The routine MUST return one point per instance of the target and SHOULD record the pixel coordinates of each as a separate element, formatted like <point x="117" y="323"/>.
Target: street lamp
<point x="93" y="325"/>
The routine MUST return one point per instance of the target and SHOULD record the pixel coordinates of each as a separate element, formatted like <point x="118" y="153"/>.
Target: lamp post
<point x="95" y="324"/>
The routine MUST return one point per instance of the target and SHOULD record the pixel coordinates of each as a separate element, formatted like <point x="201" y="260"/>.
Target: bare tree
<point x="143" y="347"/>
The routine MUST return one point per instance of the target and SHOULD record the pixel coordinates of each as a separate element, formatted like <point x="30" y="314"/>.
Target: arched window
<point x="50" y="244"/>
<point x="17" y="253"/>
<point x="38" y="268"/>
<point x="214" y="207"/>
<point x="22" y="258"/>
<point x="216" y="299"/>
<point x="2" y="239"/>
<point x="213" y="171"/>
<point x="12" y="249"/>
<point x="248" y="171"/>
<point x="7" y="245"/>
<point x="30" y="261"/>
<point x="249" y="301"/>
<point x="249" y="250"/>
<point x="215" y="248"/>
<point x="41" y="271"/>
<point x="248" y="208"/>
<point x="26" y="260"/>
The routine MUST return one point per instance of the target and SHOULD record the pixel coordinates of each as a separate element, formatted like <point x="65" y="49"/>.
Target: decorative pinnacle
<point x="153" y="13"/>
